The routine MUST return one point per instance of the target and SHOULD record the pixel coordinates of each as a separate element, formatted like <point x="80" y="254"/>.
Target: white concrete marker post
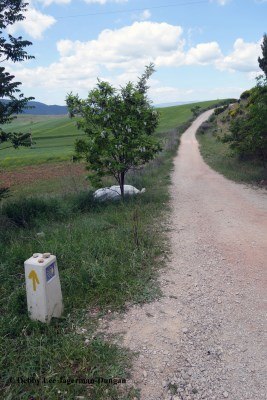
<point x="43" y="288"/>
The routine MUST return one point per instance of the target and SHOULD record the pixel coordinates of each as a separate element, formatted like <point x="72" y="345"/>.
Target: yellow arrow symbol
<point x="35" y="280"/>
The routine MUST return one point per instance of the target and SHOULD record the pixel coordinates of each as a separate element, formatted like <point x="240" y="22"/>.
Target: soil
<point x="204" y="339"/>
<point x="32" y="174"/>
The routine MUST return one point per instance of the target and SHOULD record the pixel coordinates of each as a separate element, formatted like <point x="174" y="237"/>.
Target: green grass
<point x="98" y="268"/>
<point x="219" y="157"/>
<point x="171" y="117"/>
<point x="108" y="254"/>
<point x="54" y="136"/>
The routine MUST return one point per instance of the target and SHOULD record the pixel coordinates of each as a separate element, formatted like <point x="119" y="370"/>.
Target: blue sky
<point x="202" y="49"/>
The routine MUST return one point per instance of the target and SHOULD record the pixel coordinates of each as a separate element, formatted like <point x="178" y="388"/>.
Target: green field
<point x="54" y="136"/>
<point x="172" y="117"/>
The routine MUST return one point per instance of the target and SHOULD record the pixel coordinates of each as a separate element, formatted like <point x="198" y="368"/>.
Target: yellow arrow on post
<point x="35" y="280"/>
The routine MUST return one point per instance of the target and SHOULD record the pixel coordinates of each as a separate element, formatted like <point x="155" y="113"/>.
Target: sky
<point x="202" y="49"/>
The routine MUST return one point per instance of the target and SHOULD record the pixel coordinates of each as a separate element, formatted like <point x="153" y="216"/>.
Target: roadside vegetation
<point x="54" y="138"/>
<point x="100" y="272"/>
<point x="234" y="140"/>
<point x="219" y="155"/>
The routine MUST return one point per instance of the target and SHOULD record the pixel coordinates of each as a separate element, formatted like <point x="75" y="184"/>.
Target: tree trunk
<point x="122" y="178"/>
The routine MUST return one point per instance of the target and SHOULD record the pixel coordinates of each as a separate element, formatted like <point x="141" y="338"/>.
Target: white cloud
<point x="146" y="14"/>
<point x="167" y="94"/>
<point x="220" y="2"/>
<point x="143" y="16"/>
<point x="64" y="47"/>
<point x="204" y="53"/>
<point x="244" y="57"/>
<point x="120" y="55"/>
<point x="118" y="52"/>
<point x="48" y="2"/>
<point x="253" y="75"/>
<point x="34" y="24"/>
<point x="105" y="1"/>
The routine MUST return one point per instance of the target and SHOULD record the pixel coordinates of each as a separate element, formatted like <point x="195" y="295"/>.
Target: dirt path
<point x="205" y="338"/>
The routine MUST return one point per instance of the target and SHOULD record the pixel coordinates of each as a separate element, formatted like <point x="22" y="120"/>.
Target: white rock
<point x="114" y="192"/>
<point x="40" y="234"/>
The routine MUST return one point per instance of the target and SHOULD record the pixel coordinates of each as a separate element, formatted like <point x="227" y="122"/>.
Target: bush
<point x="245" y="95"/>
<point x="248" y="137"/>
<point x="212" y="118"/>
<point x="220" y="110"/>
<point x="204" y="128"/>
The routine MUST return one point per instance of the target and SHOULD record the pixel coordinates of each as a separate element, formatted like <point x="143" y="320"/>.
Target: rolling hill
<point x="38" y="108"/>
<point x="54" y="136"/>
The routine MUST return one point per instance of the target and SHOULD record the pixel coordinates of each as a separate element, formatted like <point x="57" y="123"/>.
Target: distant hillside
<point x="44" y="109"/>
<point x="54" y="135"/>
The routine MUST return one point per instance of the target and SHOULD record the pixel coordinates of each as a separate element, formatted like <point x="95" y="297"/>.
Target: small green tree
<point x="119" y="125"/>
<point x="263" y="61"/>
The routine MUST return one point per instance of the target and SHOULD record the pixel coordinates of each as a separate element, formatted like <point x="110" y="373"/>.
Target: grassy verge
<point x="221" y="158"/>
<point x="108" y="255"/>
<point x="99" y="270"/>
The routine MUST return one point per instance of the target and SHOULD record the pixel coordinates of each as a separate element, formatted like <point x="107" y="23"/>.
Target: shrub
<point x="245" y="95"/>
<point x="248" y="137"/>
<point x="212" y="118"/>
<point x="220" y="110"/>
<point x="204" y="128"/>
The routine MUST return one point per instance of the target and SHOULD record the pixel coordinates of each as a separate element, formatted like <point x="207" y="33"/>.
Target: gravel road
<point x="206" y="337"/>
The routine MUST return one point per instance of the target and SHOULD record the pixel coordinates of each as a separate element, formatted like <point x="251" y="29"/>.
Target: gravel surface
<point x="206" y="337"/>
